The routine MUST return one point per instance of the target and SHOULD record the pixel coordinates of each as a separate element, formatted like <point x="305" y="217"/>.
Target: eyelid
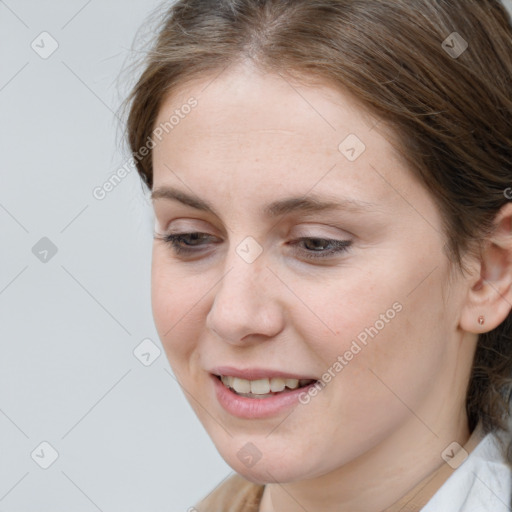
<point x="314" y="228"/>
<point x="290" y="228"/>
<point x="320" y="230"/>
<point x="184" y="225"/>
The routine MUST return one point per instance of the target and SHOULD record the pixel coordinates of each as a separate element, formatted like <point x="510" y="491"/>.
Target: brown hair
<point x="451" y="113"/>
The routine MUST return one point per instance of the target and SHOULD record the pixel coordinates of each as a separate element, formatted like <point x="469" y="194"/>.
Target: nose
<point x="246" y="306"/>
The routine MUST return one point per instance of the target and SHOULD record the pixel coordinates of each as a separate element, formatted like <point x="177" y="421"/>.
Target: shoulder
<point x="235" y="494"/>
<point x="482" y="482"/>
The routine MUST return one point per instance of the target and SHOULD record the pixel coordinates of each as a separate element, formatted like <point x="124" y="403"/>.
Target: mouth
<point x="264" y="387"/>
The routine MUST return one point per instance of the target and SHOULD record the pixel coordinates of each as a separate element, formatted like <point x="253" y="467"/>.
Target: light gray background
<point x="126" y="438"/>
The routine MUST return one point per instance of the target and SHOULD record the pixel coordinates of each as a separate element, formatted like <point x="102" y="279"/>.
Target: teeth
<point x="277" y="384"/>
<point x="259" y="387"/>
<point x="292" y="383"/>
<point x="262" y="386"/>
<point x="242" y="385"/>
<point x="227" y="381"/>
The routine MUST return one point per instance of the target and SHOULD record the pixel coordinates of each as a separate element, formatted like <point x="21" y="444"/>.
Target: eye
<point x="319" y="247"/>
<point x="177" y="241"/>
<point x="183" y="244"/>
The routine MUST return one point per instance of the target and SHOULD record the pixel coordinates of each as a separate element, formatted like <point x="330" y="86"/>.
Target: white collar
<point x="482" y="483"/>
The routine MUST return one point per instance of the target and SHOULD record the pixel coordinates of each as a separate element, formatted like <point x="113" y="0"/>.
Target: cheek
<point x="340" y="313"/>
<point x="163" y="295"/>
<point x="375" y="339"/>
<point x="174" y="306"/>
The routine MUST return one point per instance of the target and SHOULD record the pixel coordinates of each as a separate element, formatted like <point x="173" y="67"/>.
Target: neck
<point x="406" y="465"/>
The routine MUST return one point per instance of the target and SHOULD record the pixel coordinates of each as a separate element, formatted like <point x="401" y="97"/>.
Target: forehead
<point x="271" y="132"/>
<point x="244" y="99"/>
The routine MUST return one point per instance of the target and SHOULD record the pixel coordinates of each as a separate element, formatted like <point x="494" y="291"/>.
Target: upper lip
<point x="257" y="373"/>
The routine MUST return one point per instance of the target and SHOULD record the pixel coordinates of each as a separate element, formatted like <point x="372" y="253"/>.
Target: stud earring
<point x="481" y="320"/>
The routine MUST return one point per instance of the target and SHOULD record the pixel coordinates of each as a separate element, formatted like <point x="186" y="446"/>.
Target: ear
<point x="490" y="295"/>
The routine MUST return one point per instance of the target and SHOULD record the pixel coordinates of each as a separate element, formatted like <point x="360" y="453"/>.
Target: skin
<point x="380" y="425"/>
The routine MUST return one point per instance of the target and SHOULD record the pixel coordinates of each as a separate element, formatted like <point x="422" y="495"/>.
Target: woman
<point x="332" y="264"/>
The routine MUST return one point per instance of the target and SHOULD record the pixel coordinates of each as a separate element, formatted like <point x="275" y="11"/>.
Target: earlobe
<point x="489" y="300"/>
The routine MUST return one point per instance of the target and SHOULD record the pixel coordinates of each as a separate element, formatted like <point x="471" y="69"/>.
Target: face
<point x="352" y="296"/>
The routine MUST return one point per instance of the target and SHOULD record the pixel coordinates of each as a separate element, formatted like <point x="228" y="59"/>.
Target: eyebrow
<point x="310" y="203"/>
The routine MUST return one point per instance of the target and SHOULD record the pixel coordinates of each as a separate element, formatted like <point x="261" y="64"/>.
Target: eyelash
<point x="173" y="240"/>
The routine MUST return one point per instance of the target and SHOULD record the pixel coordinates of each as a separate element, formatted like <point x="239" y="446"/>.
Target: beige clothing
<point x="236" y="494"/>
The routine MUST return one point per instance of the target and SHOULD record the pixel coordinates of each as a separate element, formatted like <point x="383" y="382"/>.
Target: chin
<point x="264" y="474"/>
<point x="267" y="471"/>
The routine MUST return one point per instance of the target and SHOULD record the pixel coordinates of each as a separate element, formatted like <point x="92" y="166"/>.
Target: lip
<point x="257" y="373"/>
<point x="256" y="408"/>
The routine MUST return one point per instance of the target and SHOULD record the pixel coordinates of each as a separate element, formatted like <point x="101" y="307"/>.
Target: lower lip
<point x="251" y="408"/>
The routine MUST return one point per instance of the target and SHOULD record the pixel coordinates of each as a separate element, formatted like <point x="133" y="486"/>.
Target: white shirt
<point x="482" y="483"/>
